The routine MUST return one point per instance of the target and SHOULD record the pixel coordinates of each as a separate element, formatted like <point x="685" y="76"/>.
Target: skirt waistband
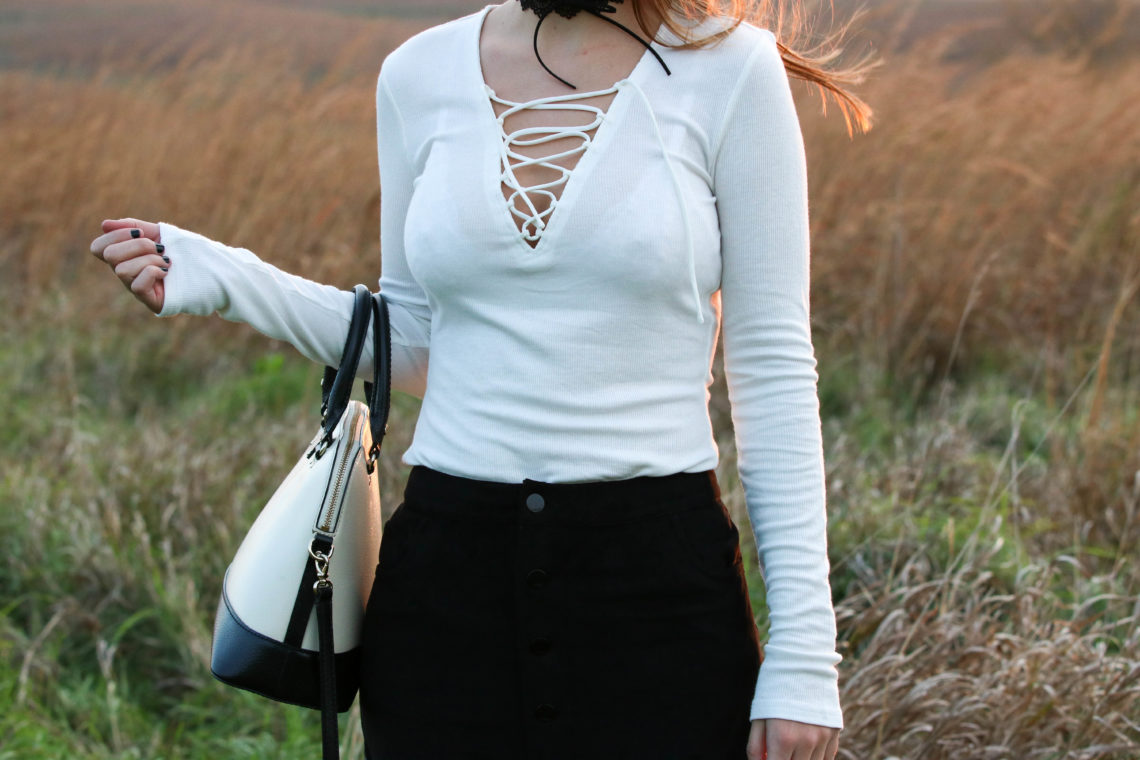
<point x="599" y="502"/>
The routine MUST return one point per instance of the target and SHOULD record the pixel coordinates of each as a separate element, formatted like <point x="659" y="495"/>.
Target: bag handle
<point x="336" y="385"/>
<point x="379" y="391"/>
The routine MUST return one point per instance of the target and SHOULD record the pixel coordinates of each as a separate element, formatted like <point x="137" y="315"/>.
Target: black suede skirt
<point x="579" y="621"/>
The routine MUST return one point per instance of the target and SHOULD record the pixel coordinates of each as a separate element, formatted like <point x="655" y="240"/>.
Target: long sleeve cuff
<point x="191" y="285"/>
<point x="801" y="686"/>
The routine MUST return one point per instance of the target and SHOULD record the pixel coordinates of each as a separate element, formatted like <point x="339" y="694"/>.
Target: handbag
<point x="278" y="631"/>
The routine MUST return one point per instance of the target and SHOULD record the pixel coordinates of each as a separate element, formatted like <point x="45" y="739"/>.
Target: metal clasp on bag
<point x="373" y="455"/>
<point x="321" y="446"/>
<point x="321" y="562"/>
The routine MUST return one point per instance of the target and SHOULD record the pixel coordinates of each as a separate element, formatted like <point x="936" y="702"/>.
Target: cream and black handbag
<point x="278" y="631"/>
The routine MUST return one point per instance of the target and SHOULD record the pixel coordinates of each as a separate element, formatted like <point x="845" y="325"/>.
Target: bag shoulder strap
<point x="379" y="391"/>
<point x="336" y="385"/>
<point x="330" y="745"/>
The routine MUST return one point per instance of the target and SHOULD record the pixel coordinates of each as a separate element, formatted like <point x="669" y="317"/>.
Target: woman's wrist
<point x="190" y="284"/>
<point x="797" y="685"/>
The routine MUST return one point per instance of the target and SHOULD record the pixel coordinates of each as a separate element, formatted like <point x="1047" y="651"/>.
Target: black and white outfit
<point x="562" y="579"/>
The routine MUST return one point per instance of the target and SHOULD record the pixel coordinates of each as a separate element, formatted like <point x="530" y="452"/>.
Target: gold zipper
<point x="348" y="452"/>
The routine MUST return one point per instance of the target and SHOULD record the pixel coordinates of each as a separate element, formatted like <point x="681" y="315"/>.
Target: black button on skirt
<point x="576" y="621"/>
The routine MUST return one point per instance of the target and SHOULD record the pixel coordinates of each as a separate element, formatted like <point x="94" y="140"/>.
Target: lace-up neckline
<point x="533" y="221"/>
<point x="538" y="227"/>
<point x="531" y="224"/>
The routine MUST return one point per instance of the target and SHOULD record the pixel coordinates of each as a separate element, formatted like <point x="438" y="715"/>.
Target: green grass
<point x="132" y="468"/>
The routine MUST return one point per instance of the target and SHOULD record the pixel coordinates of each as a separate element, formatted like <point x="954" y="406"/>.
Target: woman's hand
<point x="774" y="739"/>
<point x="133" y="249"/>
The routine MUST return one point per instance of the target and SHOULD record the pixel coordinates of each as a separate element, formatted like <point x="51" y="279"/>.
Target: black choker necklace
<point x="570" y="8"/>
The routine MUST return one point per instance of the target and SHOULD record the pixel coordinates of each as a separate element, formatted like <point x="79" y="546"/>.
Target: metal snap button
<point x="537" y="578"/>
<point x="535" y="502"/>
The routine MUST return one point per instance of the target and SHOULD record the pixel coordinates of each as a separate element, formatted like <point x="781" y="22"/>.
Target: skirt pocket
<point x="707" y="540"/>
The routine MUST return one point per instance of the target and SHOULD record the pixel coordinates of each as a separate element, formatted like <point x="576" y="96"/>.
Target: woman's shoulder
<point x="728" y="56"/>
<point x="433" y="45"/>
<point x="741" y="40"/>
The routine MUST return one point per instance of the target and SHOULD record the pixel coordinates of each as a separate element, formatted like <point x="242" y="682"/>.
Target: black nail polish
<point x="159" y="247"/>
<point x="166" y="259"/>
<point x="165" y="269"/>
<point x="136" y="233"/>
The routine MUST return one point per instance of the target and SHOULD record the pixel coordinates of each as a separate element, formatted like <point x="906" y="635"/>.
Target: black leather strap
<point x="330" y="743"/>
<point x="335" y="393"/>
<point x="336" y="386"/>
<point x="379" y="405"/>
<point x="303" y="604"/>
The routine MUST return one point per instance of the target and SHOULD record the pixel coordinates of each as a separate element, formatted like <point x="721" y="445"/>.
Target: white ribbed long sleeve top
<point x="589" y="355"/>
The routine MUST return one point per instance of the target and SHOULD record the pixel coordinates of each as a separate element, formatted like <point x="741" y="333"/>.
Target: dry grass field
<point x="976" y="313"/>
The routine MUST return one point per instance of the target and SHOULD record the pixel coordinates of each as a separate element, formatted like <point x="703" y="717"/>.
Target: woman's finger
<point x="148" y="287"/>
<point x="756" y="740"/>
<point x="100" y="244"/>
<point x="832" y="747"/>
<point x="121" y="250"/>
<point x="131" y="268"/>
<point x="114" y="232"/>
<point x="149" y="229"/>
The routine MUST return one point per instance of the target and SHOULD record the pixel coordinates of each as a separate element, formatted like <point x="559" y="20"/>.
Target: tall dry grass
<point x="975" y="312"/>
<point x="991" y="215"/>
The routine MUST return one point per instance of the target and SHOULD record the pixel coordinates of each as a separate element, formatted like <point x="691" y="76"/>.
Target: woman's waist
<point x="563" y="438"/>
<point x="507" y="446"/>
<point x="587" y="503"/>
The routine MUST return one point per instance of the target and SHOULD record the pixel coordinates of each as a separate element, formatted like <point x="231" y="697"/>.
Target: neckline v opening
<point x="571" y="181"/>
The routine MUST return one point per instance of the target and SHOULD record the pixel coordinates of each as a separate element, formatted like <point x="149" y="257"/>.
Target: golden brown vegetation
<point x="976" y="266"/>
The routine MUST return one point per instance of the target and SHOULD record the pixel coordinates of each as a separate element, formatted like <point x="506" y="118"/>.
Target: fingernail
<point x="159" y="247"/>
<point x="166" y="259"/>
<point x="165" y="269"/>
<point x="136" y="233"/>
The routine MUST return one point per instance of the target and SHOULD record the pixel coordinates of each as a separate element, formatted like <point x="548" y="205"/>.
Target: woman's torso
<point x="587" y="355"/>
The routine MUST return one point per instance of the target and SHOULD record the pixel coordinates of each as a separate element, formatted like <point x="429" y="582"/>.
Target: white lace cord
<point x="680" y="200"/>
<point x="536" y="220"/>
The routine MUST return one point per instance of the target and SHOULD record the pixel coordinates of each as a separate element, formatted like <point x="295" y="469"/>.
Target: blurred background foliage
<point x="976" y="267"/>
